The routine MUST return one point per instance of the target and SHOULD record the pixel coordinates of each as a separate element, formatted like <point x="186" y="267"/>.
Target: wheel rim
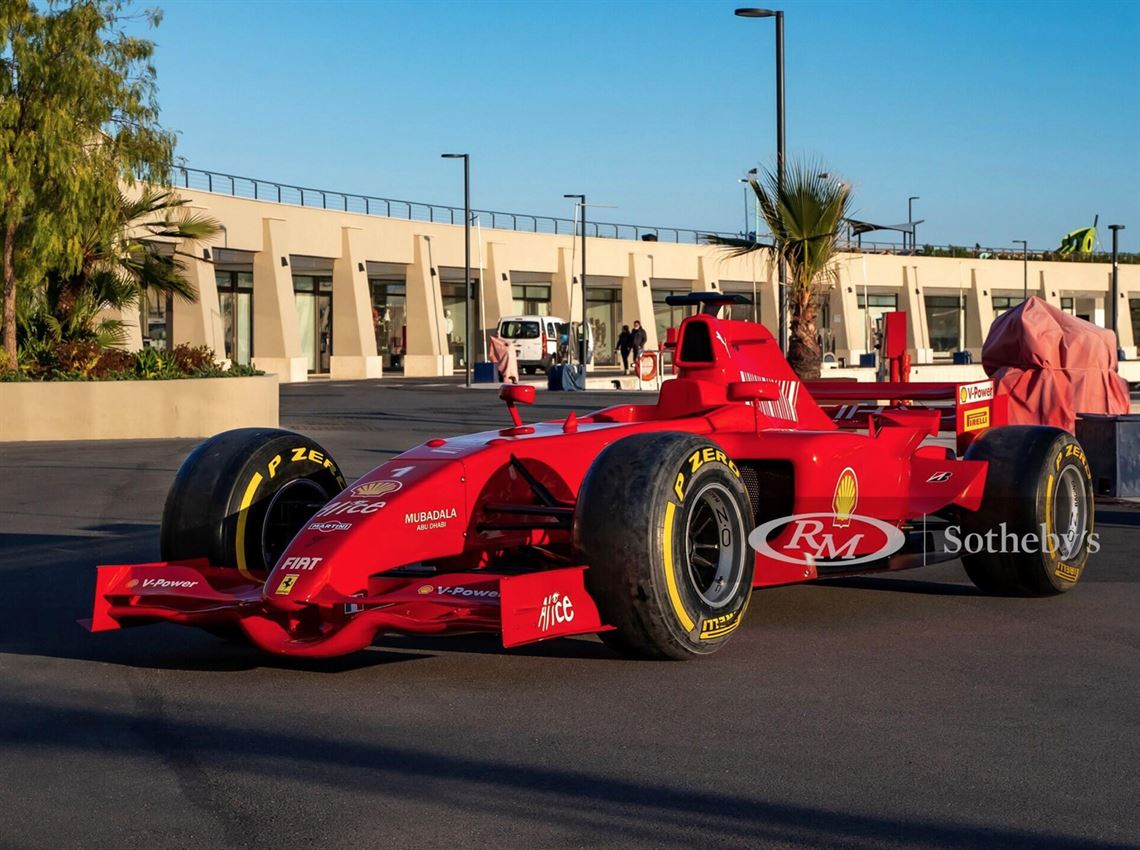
<point x="290" y="508"/>
<point x="1070" y="517"/>
<point x="713" y="546"/>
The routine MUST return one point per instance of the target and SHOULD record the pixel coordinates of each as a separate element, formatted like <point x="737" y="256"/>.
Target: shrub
<point x="86" y="360"/>
<point x="191" y="361"/>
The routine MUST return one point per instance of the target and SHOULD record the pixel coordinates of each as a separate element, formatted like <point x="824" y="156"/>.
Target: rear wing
<point x="969" y="410"/>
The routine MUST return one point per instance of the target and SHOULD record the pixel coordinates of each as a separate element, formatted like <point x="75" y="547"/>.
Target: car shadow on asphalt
<point x="591" y="804"/>
<point x="901" y="585"/>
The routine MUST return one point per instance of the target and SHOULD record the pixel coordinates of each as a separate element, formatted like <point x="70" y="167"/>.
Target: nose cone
<point x="404" y="512"/>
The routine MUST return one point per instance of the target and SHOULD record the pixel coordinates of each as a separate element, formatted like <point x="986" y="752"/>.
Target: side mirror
<point x="514" y="394"/>
<point x="753" y="391"/>
<point x="517" y="393"/>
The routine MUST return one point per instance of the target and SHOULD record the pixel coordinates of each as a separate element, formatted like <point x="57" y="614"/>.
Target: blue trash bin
<point x="486" y="373"/>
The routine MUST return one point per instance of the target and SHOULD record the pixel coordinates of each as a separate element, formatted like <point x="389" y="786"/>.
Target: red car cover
<point x="1053" y="366"/>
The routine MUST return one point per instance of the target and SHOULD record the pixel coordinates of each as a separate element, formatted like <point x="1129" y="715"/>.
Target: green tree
<point x="804" y="219"/>
<point x="135" y="256"/>
<point x="78" y="119"/>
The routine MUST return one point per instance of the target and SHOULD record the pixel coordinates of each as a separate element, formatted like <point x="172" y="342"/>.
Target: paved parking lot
<point x="890" y="711"/>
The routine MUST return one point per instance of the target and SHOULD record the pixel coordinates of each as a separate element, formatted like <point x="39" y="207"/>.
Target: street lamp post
<point x="466" y="256"/>
<point x="910" y="220"/>
<point x="1024" y="268"/>
<point x="783" y="271"/>
<point x="747" y="186"/>
<point x="1115" y="228"/>
<point x="752" y="175"/>
<point x="582" y="329"/>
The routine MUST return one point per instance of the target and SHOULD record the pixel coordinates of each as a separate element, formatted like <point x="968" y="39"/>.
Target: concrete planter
<point x="116" y="410"/>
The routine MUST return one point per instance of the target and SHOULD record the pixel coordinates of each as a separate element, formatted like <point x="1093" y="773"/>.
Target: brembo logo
<point x="556" y="610"/>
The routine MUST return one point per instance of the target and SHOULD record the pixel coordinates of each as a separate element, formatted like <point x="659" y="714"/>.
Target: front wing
<point x="522" y="608"/>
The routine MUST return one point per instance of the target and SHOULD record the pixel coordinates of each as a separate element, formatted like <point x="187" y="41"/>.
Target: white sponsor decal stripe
<point x="785" y="406"/>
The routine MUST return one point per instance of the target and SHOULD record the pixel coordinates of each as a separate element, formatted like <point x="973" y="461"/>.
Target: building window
<point x="235" y="296"/>
<point x="1003" y="303"/>
<point x="741" y="312"/>
<point x="666" y="316"/>
<point x="455" y="318"/>
<point x="390" y="320"/>
<point x="871" y="319"/>
<point x="944" y="322"/>
<point x="823" y="324"/>
<point x="157" y="314"/>
<point x="1134" y="309"/>
<point x="602" y="309"/>
<point x="312" y="297"/>
<point x="531" y="299"/>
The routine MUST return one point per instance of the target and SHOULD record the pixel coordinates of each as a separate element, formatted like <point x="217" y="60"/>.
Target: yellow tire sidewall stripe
<point x="243" y="515"/>
<point x="670" y="575"/>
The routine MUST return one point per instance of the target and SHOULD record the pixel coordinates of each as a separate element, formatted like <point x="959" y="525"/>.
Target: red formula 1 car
<point x="648" y="524"/>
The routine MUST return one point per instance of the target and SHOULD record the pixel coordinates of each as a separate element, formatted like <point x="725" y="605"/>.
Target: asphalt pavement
<point x="890" y="711"/>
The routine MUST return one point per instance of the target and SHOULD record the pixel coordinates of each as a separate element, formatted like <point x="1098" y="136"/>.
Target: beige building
<point x="301" y="290"/>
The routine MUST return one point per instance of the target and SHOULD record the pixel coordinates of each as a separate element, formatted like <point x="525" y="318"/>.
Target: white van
<point x="534" y="339"/>
<point x="539" y="341"/>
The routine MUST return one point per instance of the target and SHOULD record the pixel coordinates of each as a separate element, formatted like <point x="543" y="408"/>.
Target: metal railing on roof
<point x="284" y="193"/>
<point x="981" y="252"/>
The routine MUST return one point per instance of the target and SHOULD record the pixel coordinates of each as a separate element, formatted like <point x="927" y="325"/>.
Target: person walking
<point x="640" y="338"/>
<point x="625" y="346"/>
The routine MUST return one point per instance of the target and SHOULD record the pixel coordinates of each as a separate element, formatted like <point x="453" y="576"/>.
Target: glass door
<point x="312" y="297"/>
<point x="306" y="303"/>
<point x="324" y="331"/>
<point x="235" y="296"/>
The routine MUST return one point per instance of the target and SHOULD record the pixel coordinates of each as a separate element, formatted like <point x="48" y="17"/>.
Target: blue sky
<point x="1009" y="120"/>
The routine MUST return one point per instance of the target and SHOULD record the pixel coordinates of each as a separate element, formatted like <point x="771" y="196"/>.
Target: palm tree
<point x="134" y="253"/>
<point x="804" y="219"/>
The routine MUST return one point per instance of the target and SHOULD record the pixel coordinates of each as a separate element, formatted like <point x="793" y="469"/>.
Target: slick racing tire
<point x="663" y="520"/>
<point x="240" y="497"/>
<point x="1037" y="509"/>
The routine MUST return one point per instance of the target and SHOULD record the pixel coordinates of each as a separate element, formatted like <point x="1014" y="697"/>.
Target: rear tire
<point x="662" y="520"/>
<point x="240" y="497"/>
<point x="1038" y="484"/>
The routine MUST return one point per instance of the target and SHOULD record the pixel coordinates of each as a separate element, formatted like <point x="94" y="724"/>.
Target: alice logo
<point x="845" y="499"/>
<point x="376" y="488"/>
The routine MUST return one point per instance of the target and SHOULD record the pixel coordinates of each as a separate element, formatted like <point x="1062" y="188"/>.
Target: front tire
<point x="1038" y="493"/>
<point x="662" y="520"/>
<point x="240" y="497"/>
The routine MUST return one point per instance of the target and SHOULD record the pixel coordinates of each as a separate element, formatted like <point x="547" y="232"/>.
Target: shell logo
<point x="373" y="489"/>
<point x="133" y="583"/>
<point x="845" y="499"/>
<point x="962" y="395"/>
<point x="425" y="589"/>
